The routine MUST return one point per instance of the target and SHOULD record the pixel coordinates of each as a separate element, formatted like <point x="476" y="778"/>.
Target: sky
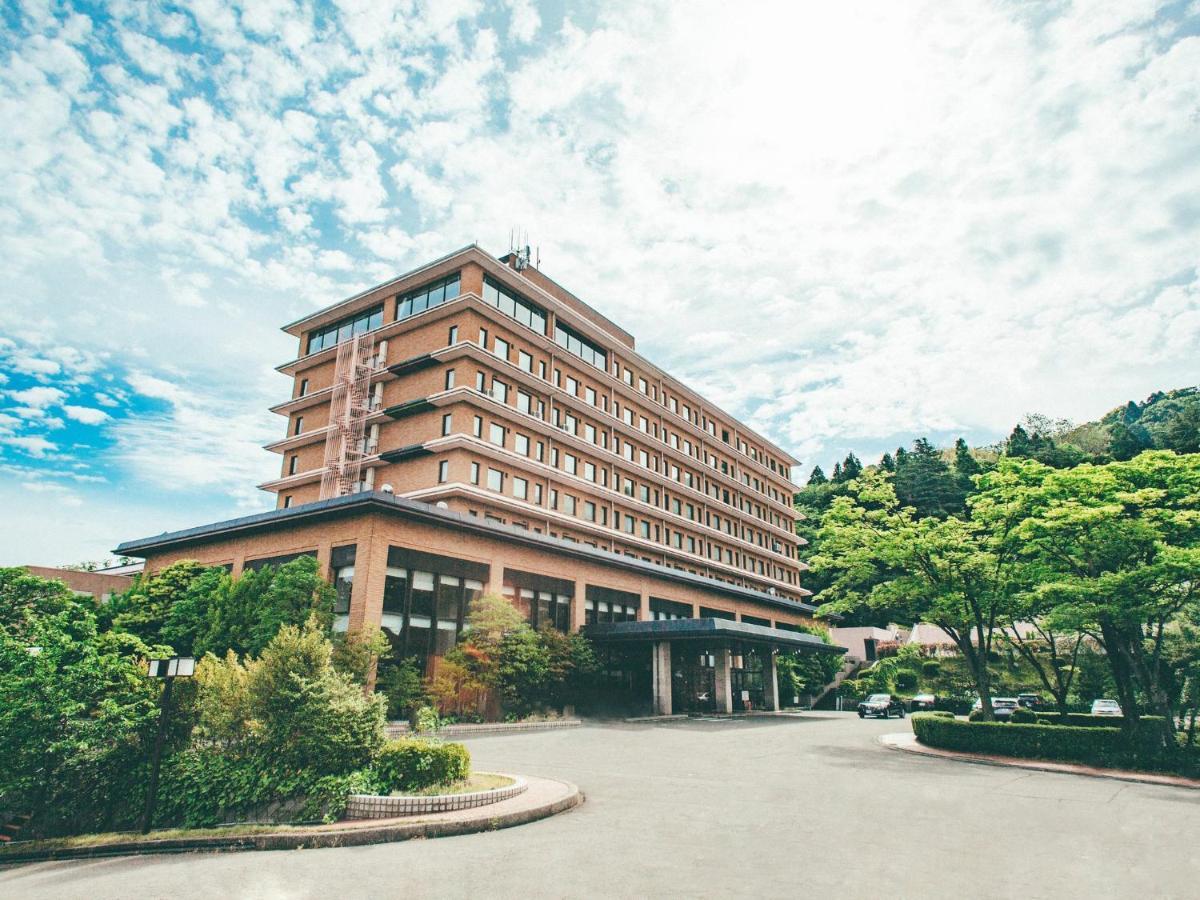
<point x="847" y="224"/>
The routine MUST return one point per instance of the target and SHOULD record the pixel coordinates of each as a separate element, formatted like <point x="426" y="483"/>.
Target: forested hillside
<point x="937" y="481"/>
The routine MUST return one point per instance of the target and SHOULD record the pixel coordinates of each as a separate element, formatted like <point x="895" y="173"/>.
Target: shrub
<point x="976" y="715"/>
<point x="931" y="668"/>
<point x="941" y="714"/>
<point x="906" y="681"/>
<point x="401" y="683"/>
<point x="1088" y="745"/>
<point x="411" y="764"/>
<point x="1087" y="720"/>
<point x="1023" y="716"/>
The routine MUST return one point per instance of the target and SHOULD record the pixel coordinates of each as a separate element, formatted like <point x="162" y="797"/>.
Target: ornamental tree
<point x="953" y="573"/>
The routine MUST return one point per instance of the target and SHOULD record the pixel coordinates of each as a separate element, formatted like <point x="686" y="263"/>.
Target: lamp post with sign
<point x="168" y="670"/>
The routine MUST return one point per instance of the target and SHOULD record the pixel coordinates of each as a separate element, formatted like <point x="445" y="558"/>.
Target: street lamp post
<point x="168" y="670"/>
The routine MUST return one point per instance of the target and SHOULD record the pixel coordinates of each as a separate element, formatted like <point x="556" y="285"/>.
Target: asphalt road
<point x="805" y="807"/>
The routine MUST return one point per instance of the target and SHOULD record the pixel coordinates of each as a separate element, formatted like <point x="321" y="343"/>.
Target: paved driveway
<point x="808" y="806"/>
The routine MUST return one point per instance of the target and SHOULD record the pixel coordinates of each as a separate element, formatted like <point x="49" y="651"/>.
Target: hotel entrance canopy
<point x="710" y="631"/>
<point x="709" y="665"/>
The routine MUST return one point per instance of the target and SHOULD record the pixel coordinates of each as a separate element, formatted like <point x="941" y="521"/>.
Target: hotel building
<point x="473" y="426"/>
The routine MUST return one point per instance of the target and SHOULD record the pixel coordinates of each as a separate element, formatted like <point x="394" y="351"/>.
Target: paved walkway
<point x="810" y="806"/>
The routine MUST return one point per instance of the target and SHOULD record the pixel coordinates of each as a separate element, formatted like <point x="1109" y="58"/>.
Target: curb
<point x="357" y="835"/>
<point x="375" y="806"/>
<point x="402" y="730"/>
<point x="909" y="744"/>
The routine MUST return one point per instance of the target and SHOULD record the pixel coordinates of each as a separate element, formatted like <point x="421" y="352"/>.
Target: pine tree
<point x="817" y="476"/>
<point x="887" y="463"/>
<point x="1127" y="441"/>
<point x="837" y="473"/>
<point x="851" y="467"/>
<point x="965" y="466"/>
<point x="1183" y="434"/>
<point x="924" y="481"/>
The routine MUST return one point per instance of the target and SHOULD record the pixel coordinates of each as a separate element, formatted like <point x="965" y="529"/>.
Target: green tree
<point x="966" y="467"/>
<point x="851" y="467"/>
<point x="953" y="573"/>
<point x="143" y="609"/>
<point x="1127" y="440"/>
<point x="76" y="710"/>
<point x="817" y="476"/>
<point x="923" y="481"/>
<point x="1116" y="552"/>
<point x="1183" y="433"/>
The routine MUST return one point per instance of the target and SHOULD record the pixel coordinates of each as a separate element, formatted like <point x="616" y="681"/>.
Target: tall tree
<point x="951" y="572"/>
<point x="1116" y="552"/>
<point x="1183" y="433"/>
<point x="924" y="481"/>
<point x="966" y="467"/>
<point x="817" y="476"/>
<point x="851" y="467"/>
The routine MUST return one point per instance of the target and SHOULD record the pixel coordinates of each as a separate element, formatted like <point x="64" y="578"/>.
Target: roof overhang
<point x="415" y="510"/>
<point x="708" y="630"/>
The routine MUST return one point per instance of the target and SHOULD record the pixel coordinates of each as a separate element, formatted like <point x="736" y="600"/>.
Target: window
<point x="589" y="471"/>
<point x="501" y="349"/>
<point x="580" y="346"/>
<point x="589" y="510"/>
<point x="359" y="323"/>
<point x="521" y="444"/>
<point x="477" y="426"/>
<point x="589" y="433"/>
<point x="292" y="463"/>
<point x="499" y="390"/>
<point x="474" y="473"/>
<point x="644" y="528"/>
<point x="537" y="498"/>
<point x="452" y="338"/>
<point x="523" y="401"/>
<point x="572" y="386"/>
<point x="496" y="434"/>
<point x="553" y="499"/>
<point x="528" y="314"/>
<point x="449" y="379"/>
<point x="480" y="381"/>
<point x="628" y="526"/>
<point x="287" y="502"/>
<point x="570" y="424"/>
<point x="520" y="488"/>
<point x="570" y="464"/>
<point x="427" y="297"/>
<point x="627" y="376"/>
<point x="443" y="471"/>
<point x="589" y="394"/>
<point x="447" y="423"/>
<point x="495" y="480"/>
<point x="525" y="361"/>
<point x="642" y="386"/>
<point x="568" y="504"/>
<point x="541" y="452"/>
<point x="303" y="387"/>
<point x="299" y="425"/>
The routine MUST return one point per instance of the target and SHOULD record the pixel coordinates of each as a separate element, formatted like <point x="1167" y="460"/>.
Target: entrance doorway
<point x="746" y="680"/>
<point x="693" y="679"/>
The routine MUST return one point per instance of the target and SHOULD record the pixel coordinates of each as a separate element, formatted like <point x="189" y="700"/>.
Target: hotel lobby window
<point x="542" y="600"/>
<point x="603" y="604"/>
<point x="341" y="566"/>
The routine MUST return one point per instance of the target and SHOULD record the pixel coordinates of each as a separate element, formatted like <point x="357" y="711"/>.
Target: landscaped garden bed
<point x="478" y="789"/>
<point x="1091" y="744"/>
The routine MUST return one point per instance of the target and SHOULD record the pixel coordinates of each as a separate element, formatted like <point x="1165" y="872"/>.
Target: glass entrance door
<point x="693" y="679"/>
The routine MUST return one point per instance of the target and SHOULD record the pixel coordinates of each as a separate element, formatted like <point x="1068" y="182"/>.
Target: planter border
<point x="377" y="806"/>
<point x="908" y="743"/>
<point x="469" y="729"/>
<point x="345" y="835"/>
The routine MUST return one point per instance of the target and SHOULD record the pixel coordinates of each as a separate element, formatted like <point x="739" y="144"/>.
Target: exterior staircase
<point x="824" y="699"/>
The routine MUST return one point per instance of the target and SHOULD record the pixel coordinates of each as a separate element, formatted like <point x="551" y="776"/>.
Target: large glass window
<point x="332" y="335"/>
<point x="427" y="297"/>
<point x="420" y="616"/>
<point x="510" y="304"/>
<point x="572" y="342"/>
<point x="449" y="600"/>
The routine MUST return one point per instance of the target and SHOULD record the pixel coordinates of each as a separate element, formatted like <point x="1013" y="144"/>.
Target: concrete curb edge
<point x="1009" y="762"/>
<point x="308" y="840"/>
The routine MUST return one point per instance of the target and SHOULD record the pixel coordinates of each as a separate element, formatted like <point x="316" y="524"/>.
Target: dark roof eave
<point x="389" y="503"/>
<point x="706" y="629"/>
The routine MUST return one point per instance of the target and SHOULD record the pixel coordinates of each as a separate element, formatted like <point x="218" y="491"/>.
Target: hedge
<point x="1086" y="720"/>
<point x="412" y="764"/>
<point x="1106" y="747"/>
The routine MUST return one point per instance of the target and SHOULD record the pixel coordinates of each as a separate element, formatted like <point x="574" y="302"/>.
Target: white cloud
<point x="38" y="397"/>
<point x="104" y="399"/>
<point x="33" y="445"/>
<point x="86" y="414"/>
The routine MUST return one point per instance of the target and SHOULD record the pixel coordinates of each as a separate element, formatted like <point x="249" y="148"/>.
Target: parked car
<point x="881" y="705"/>
<point x="923" y="702"/>
<point x="1031" y="701"/>
<point x="1002" y="707"/>
<point x="1106" y="708"/>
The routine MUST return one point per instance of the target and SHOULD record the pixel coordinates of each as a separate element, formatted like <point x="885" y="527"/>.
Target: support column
<point x="660" y="659"/>
<point x="578" y="614"/>
<point x="771" y="681"/>
<point x="723" y="689"/>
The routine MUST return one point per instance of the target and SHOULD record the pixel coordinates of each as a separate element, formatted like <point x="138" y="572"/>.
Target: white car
<point x="1106" y="708"/>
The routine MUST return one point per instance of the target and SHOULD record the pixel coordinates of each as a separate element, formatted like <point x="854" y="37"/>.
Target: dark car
<point x="1031" y="701"/>
<point x="1002" y="707"/>
<point x="881" y="705"/>
<point x="923" y="702"/>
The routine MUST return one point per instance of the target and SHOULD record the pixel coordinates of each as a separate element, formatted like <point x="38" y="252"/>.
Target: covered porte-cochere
<point x="705" y="665"/>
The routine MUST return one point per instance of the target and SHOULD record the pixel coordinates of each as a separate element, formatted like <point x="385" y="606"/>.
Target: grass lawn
<point x="476" y="781"/>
